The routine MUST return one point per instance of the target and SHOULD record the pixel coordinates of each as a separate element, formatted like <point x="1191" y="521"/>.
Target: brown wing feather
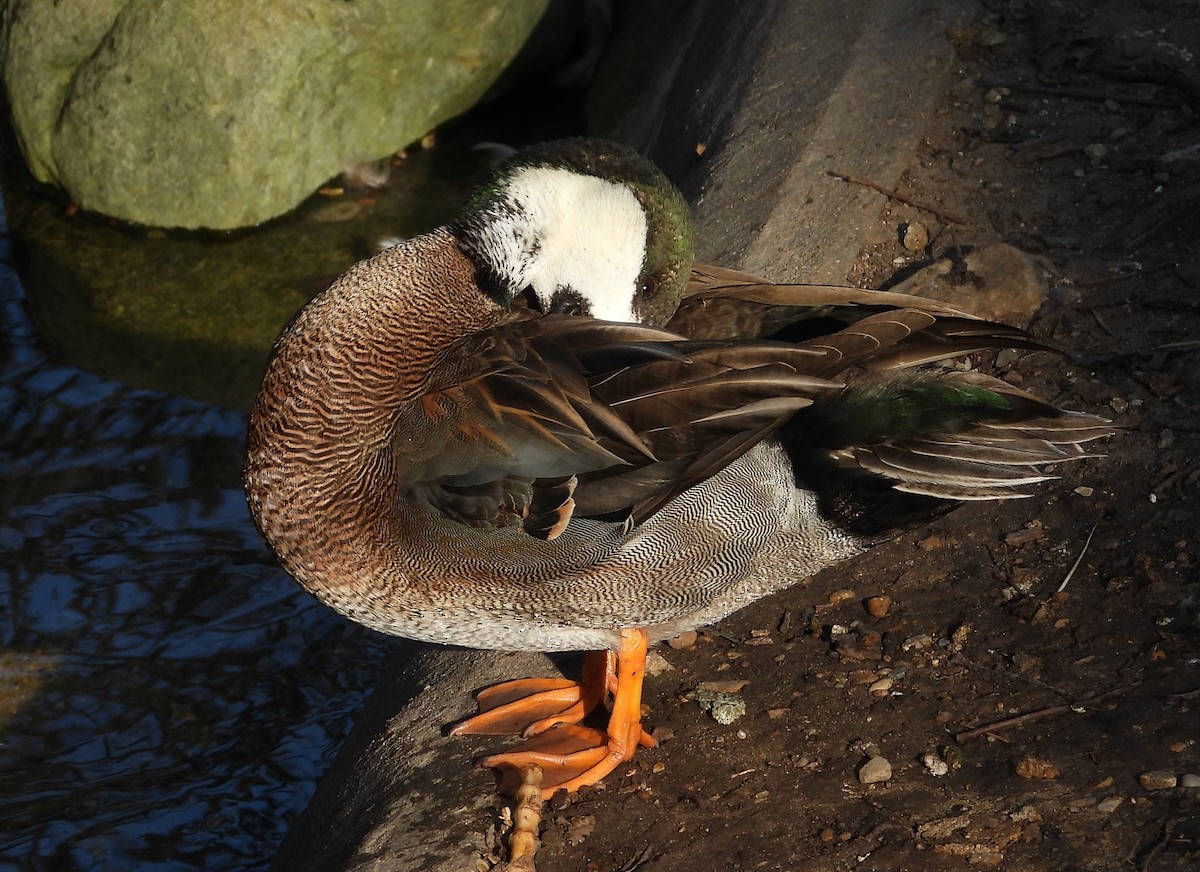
<point x="884" y="332"/>
<point x="724" y="304"/>
<point x="509" y="419"/>
<point x="542" y="418"/>
<point x="633" y="415"/>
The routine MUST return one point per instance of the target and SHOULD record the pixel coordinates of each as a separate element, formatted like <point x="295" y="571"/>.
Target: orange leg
<point x="572" y="756"/>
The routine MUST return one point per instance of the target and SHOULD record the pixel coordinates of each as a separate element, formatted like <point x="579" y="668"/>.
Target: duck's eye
<point x="649" y="286"/>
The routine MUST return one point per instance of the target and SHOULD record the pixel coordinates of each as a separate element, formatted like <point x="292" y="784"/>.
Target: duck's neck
<point x="320" y="461"/>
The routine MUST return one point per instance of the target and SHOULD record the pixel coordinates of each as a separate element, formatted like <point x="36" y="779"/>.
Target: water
<point x="168" y="697"/>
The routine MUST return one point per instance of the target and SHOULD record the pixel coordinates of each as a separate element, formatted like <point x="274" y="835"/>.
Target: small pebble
<point x="882" y="687"/>
<point x="1084" y="491"/>
<point x="1119" y="405"/>
<point x="656" y="664"/>
<point x="878" y="606"/>
<point x="953" y="756"/>
<point x="875" y="770"/>
<point x="1096" y="153"/>
<point x="916" y="237"/>
<point x="1191" y="780"/>
<point x="1108" y="806"/>
<point x="932" y="542"/>
<point x="683" y="640"/>
<point x="936" y="765"/>
<point x="840" y="596"/>
<point x="1112" y="106"/>
<point x="1157" y="779"/>
<point x="919" y="642"/>
<point x="1035" y="767"/>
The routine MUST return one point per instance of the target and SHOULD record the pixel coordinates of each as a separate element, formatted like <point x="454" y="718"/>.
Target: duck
<point x="543" y="427"/>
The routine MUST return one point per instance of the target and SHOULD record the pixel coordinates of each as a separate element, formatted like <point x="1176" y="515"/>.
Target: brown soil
<point x="1090" y="160"/>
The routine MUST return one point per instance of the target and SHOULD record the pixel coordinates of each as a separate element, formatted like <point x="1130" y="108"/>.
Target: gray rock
<point x="875" y="770"/>
<point x="1191" y="780"/>
<point x="1001" y="283"/>
<point x="221" y="116"/>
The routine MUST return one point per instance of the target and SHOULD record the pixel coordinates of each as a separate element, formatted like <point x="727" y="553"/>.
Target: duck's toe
<point x="528" y="706"/>
<point x="522" y="707"/>
<point x="570" y="757"/>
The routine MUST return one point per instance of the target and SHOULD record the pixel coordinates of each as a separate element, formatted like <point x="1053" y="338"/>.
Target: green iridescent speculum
<point x="874" y="412"/>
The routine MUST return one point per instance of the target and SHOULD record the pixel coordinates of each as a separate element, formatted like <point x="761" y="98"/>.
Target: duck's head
<point x="582" y="226"/>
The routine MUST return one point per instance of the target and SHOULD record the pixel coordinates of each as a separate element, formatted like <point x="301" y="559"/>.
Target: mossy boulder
<point x="224" y="114"/>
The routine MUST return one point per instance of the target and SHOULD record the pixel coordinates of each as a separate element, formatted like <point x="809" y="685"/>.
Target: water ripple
<point x="168" y="697"/>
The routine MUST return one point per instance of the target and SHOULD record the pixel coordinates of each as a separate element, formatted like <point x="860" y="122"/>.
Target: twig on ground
<point x="1078" y="559"/>
<point x="942" y="214"/>
<point x="1167" y="483"/>
<point x="1037" y="714"/>
<point x="644" y="856"/>
<point x="1155" y="849"/>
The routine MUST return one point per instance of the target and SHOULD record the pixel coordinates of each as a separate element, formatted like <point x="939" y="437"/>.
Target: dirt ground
<point x="1070" y="133"/>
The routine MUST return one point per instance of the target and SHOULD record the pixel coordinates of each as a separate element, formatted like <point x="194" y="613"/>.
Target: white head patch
<point x="561" y="229"/>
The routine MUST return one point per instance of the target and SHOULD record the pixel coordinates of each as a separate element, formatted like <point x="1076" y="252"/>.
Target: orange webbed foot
<point x="572" y="756"/>
<point x="528" y="706"/>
